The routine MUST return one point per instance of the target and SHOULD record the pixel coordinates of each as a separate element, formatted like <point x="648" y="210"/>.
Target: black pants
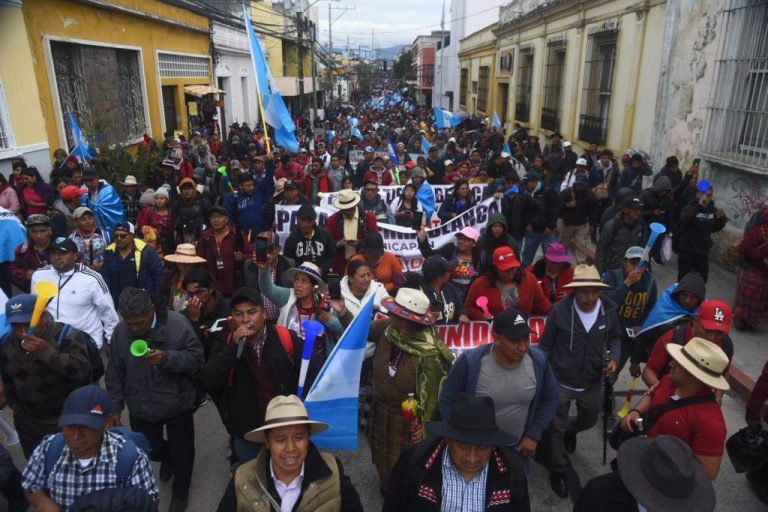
<point x="5" y="278"/>
<point x="10" y="478"/>
<point x="687" y="262"/>
<point x="178" y="450"/>
<point x="31" y="431"/>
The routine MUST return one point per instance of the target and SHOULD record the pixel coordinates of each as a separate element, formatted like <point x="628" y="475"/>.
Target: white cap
<point x="448" y="162"/>
<point x="452" y="139"/>
<point x="581" y="161"/>
<point x="567" y="144"/>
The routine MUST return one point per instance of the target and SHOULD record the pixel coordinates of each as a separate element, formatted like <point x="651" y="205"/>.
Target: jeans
<point x="246" y="450"/>
<point x="532" y="242"/>
<point x="178" y="450"/>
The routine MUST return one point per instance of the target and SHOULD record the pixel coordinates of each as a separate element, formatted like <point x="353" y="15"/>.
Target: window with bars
<point x="101" y="87"/>
<point x="463" y="87"/>
<point x="483" y="84"/>
<point x="737" y="131"/>
<point x="524" y="83"/>
<point x="553" y="85"/>
<point x="6" y="134"/>
<point x="182" y="66"/>
<point x="598" y="84"/>
<point x="427" y="75"/>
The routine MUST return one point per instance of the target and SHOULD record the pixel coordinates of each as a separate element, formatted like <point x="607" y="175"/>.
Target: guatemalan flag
<point x="4" y="329"/>
<point x="353" y="122"/>
<point x="666" y="310"/>
<point x="425" y="145"/>
<point x="392" y="153"/>
<point x="331" y="136"/>
<point x="81" y="151"/>
<point x="445" y="119"/>
<point x="357" y="133"/>
<point x="333" y="398"/>
<point x="496" y="121"/>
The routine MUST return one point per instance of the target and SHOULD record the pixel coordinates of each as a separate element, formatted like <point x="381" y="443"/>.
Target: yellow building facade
<point x="477" y="55"/>
<point x="121" y="67"/>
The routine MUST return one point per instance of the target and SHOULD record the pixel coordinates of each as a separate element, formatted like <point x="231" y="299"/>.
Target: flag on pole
<point x="445" y="119"/>
<point x="425" y="145"/>
<point x="353" y="122"/>
<point x="357" y="133"/>
<point x="505" y="149"/>
<point x="331" y="136"/>
<point x="496" y="121"/>
<point x="333" y="397"/>
<point x="392" y="153"/>
<point x="81" y="151"/>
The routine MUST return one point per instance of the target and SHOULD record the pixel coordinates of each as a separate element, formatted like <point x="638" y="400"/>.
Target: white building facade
<point x="233" y="71"/>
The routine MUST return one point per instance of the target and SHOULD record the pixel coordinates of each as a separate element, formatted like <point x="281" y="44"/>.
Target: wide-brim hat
<point x="557" y="253"/>
<point x="311" y="270"/>
<point x="662" y="474"/>
<point x="472" y="420"/>
<point x="703" y="359"/>
<point x="346" y="199"/>
<point x="185" y="253"/>
<point x="284" y="411"/>
<point x="130" y="181"/>
<point x="586" y="276"/>
<point x="410" y="304"/>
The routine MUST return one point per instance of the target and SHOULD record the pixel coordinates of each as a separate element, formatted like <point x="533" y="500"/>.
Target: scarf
<point x="433" y="361"/>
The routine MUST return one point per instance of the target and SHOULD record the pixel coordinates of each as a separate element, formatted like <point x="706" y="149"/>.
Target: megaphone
<point x="139" y="348"/>
<point x="656" y="231"/>
<point x="312" y="329"/>
<point x="45" y="291"/>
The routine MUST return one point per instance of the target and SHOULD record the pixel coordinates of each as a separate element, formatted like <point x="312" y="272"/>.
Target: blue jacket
<point x="465" y="373"/>
<point x="247" y="212"/>
<point x="633" y="303"/>
<point x="144" y="269"/>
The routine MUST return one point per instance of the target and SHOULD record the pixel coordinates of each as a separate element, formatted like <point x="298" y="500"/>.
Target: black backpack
<point x="94" y="356"/>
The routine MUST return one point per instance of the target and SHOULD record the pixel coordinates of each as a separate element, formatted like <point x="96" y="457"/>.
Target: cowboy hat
<point x="185" y="253"/>
<point x="586" y="276"/>
<point x="662" y="474"/>
<point x="284" y="411"/>
<point x="346" y="199"/>
<point x="130" y="181"/>
<point x="703" y="359"/>
<point x="279" y="186"/>
<point x="311" y="270"/>
<point x="410" y="304"/>
<point x="472" y="420"/>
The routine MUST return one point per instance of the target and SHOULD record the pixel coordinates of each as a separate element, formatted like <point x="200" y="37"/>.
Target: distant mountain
<point x="390" y="52"/>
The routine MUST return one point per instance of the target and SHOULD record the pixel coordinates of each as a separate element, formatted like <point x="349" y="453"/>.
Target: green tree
<point x="402" y="66"/>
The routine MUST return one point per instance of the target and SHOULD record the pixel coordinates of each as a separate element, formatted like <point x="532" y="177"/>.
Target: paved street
<point x="212" y="469"/>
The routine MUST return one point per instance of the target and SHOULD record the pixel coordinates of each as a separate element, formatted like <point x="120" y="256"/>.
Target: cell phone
<point x="334" y="286"/>
<point x="696" y="162"/>
<point x="260" y="249"/>
<point x="418" y="217"/>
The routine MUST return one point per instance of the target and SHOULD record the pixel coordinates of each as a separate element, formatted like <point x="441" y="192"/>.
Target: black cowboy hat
<point x="472" y="420"/>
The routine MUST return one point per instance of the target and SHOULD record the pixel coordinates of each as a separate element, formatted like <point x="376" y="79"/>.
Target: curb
<point x="741" y="384"/>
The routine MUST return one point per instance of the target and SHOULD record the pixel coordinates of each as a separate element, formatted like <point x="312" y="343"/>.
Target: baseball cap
<point x="436" y="265"/>
<point x="567" y="144"/>
<point x="448" y="162"/>
<point x="306" y="211"/>
<point x="470" y="233"/>
<point x="532" y="176"/>
<point x="369" y="149"/>
<point x="512" y="324"/>
<point x="504" y="258"/>
<point x="581" y="161"/>
<point x="70" y="192"/>
<point x="90" y="173"/>
<point x="125" y="226"/>
<point x="632" y="202"/>
<point x="88" y="406"/>
<point x="64" y="245"/>
<point x="634" y="253"/>
<point x="290" y="185"/>
<point x="715" y="315"/>
<point x="80" y="211"/>
<point x="374" y="243"/>
<point x="217" y="209"/>
<point x="38" y="219"/>
<point x="186" y="181"/>
<point x="18" y="309"/>
<point x="246" y="294"/>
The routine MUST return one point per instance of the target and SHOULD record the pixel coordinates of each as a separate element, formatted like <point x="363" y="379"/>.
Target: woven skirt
<point x="752" y="297"/>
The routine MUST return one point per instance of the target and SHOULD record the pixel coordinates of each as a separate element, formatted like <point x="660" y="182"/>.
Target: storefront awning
<point x="202" y="90"/>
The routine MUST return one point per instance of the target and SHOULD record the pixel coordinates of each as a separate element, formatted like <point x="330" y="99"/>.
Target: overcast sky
<point x="393" y="21"/>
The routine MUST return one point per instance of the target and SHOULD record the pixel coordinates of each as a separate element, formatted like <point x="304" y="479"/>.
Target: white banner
<point x="462" y="337"/>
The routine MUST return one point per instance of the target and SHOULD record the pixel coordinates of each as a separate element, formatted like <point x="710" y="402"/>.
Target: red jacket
<point x="367" y="224"/>
<point x="530" y="299"/>
<point x="26" y="258"/>
<point x="538" y="270"/>
<point x="386" y="177"/>
<point x="226" y="279"/>
<point x="325" y="186"/>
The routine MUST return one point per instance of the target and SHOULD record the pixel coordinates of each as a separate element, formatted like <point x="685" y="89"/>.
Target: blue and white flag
<point x="496" y="122"/>
<point x="445" y="119"/>
<point x="392" y="153"/>
<point x="331" y="136"/>
<point x="425" y="145"/>
<point x="12" y="234"/>
<point x="357" y="133"/>
<point x="666" y="310"/>
<point x="4" y="329"/>
<point x="353" y="122"/>
<point x="81" y="151"/>
<point x="333" y="398"/>
<point x="505" y="149"/>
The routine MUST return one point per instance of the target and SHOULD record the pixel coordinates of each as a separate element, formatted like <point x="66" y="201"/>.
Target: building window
<point x="6" y="134"/>
<point x="737" y="132"/>
<point x="102" y="88"/>
<point x="598" y="82"/>
<point x="484" y="79"/>
<point x="463" y="86"/>
<point x="182" y="66"/>
<point x="553" y="85"/>
<point x="474" y="86"/>
<point x="524" y="82"/>
<point x="427" y="75"/>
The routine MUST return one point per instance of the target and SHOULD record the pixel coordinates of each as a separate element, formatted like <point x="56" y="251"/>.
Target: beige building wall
<point x="475" y="51"/>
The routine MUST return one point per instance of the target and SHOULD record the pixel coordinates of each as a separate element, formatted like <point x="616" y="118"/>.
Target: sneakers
<point x="569" y="439"/>
<point x="559" y="484"/>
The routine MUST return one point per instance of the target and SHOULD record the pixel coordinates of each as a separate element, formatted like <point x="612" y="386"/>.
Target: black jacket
<point x="212" y="322"/>
<point x="544" y="210"/>
<point x="320" y="249"/>
<point x="584" y="212"/>
<point x="654" y="202"/>
<point x="268" y="220"/>
<point x="450" y="206"/>
<point x="416" y="481"/>
<point x="615" y="238"/>
<point x="514" y="207"/>
<point x="695" y="227"/>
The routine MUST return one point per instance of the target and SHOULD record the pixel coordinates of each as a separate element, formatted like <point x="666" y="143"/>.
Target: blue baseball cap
<point x="88" y="406"/>
<point x="18" y="309"/>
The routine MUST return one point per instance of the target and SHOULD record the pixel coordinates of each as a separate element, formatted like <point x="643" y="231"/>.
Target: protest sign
<point x="462" y="337"/>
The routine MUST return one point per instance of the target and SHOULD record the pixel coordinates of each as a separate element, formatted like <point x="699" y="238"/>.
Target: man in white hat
<point x="583" y="340"/>
<point x="683" y="404"/>
<point x="130" y="197"/>
<point x="349" y="226"/>
<point x="290" y="473"/>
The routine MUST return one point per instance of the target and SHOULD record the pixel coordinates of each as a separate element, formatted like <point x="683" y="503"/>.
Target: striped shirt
<point x="459" y="495"/>
<point x="69" y="479"/>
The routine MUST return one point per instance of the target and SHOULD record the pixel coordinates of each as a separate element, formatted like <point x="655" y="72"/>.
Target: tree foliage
<point x="402" y="67"/>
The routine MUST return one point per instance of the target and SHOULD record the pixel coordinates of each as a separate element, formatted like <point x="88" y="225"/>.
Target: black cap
<point x="307" y="211"/>
<point x="217" y="209"/>
<point x="89" y="173"/>
<point x="374" y="243"/>
<point x="632" y="202"/>
<point x="512" y="324"/>
<point x="290" y="184"/>
<point x="246" y="294"/>
<point x="125" y="226"/>
<point x="64" y="244"/>
<point x="437" y="265"/>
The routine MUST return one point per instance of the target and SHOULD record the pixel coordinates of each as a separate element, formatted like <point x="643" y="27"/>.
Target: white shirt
<point x="289" y="493"/>
<point x="83" y="301"/>
<point x="588" y="319"/>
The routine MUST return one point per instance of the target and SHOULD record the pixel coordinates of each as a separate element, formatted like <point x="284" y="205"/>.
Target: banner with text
<point x="462" y="337"/>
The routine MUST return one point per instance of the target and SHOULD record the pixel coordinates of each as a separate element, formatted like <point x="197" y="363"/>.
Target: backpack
<point x="285" y="339"/>
<point x="94" y="356"/>
<point x="126" y="456"/>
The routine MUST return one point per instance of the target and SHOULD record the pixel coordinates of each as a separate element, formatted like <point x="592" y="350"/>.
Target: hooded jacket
<point x="543" y="210"/>
<point x="487" y="243"/>
<point x="586" y="208"/>
<point x="577" y="356"/>
<point x="634" y="303"/>
<point x="695" y="227"/>
<point x="615" y="238"/>
<point x="319" y="249"/>
<point x="514" y="207"/>
<point x="155" y="392"/>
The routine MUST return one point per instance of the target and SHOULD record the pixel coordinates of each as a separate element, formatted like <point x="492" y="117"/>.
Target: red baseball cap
<point x="70" y="192"/>
<point x="504" y="258"/>
<point x="715" y="315"/>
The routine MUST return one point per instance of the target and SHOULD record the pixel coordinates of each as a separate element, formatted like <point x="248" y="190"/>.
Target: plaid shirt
<point x="458" y="495"/>
<point x="68" y="479"/>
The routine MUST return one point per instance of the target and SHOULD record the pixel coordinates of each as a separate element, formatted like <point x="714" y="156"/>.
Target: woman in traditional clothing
<point x="412" y="360"/>
<point x="184" y="260"/>
<point x="751" y="309"/>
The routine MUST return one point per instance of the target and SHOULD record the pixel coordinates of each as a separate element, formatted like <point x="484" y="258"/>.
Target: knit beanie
<point x="162" y="191"/>
<point x="148" y="197"/>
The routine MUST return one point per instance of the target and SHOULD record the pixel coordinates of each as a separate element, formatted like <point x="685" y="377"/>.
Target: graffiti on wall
<point x="749" y="197"/>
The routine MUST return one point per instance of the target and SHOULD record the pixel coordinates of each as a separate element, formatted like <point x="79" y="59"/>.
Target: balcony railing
<point x="593" y="129"/>
<point x="550" y="119"/>
<point x="522" y="111"/>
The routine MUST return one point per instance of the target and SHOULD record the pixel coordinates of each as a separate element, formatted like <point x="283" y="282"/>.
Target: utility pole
<point x="300" y="31"/>
<point x="330" y="51"/>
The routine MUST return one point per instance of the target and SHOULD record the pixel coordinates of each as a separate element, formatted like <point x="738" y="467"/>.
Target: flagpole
<point x="263" y="118"/>
<point x="247" y="20"/>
